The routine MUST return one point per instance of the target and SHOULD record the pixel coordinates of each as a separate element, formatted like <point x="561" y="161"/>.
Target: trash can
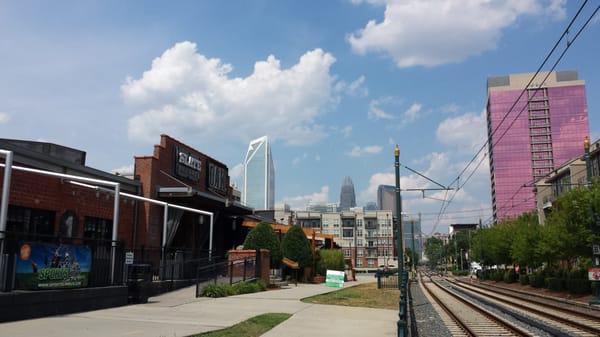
<point x="139" y="277"/>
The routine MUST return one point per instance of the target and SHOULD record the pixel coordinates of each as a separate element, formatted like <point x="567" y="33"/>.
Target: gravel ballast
<point x="429" y="322"/>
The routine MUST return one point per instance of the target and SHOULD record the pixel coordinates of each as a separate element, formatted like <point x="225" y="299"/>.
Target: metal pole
<point x="115" y="229"/>
<point x="163" y="256"/>
<point x="210" y="238"/>
<point x="412" y="230"/>
<point x="8" y="155"/>
<point x="401" y="324"/>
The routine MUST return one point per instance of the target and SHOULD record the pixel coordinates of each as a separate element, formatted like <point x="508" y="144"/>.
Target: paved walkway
<point x="179" y="313"/>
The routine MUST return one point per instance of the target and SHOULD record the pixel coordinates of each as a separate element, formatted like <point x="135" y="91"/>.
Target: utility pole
<point x="595" y="245"/>
<point x="402" y="277"/>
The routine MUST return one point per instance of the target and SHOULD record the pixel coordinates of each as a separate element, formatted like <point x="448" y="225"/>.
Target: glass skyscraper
<point x="347" y="196"/>
<point x="259" y="175"/>
<point x="548" y="132"/>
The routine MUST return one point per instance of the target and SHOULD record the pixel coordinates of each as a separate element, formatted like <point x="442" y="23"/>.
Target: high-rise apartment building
<point x="259" y="175"/>
<point x="386" y="198"/>
<point x="347" y="195"/>
<point x="549" y="130"/>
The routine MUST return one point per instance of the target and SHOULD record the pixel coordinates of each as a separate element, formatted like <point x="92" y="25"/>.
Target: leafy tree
<point x="434" y="250"/>
<point x="332" y="259"/>
<point x="526" y="239"/>
<point x="263" y="236"/>
<point x="296" y="247"/>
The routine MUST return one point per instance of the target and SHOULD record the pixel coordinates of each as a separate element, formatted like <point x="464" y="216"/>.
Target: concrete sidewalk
<point x="179" y="313"/>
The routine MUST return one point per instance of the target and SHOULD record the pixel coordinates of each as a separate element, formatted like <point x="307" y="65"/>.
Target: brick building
<point x="179" y="174"/>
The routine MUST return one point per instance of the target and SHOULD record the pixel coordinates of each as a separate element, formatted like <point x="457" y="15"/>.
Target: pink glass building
<point x="548" y="132"/>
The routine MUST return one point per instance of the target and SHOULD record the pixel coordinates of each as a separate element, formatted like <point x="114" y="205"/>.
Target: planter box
<point x="318" y="279"/>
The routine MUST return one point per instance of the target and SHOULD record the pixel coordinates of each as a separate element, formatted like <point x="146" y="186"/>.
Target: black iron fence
<point x="231" y="271"/>
<point x="386" y="280"/>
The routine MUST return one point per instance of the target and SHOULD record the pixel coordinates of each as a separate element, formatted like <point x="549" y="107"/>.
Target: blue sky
<point x="334" y="91"/>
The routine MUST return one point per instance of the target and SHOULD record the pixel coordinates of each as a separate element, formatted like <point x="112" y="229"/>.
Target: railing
<point x="230" y="272"/>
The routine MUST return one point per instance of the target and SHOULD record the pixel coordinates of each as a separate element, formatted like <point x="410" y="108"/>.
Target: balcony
<point x="538" y="98"/>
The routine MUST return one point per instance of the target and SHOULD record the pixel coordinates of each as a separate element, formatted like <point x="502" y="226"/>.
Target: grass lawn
<point x="252" y="327"/>
<point x="362" y="295"/>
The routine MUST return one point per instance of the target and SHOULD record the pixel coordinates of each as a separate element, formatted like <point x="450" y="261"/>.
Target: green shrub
<point x="295" y="246"/>
<point x="457" y="272"/>
<point x="218" y="290"/>
<point x="331" y="259"/>
<point x="524" y="279"/>
<point x="555" y="283"/>
<point x="509" y="276"/>
<point x="263" y="236"/>
<point x="224" y="289"/>
<point x="536" y="280"/>
<point x="578" y="286"/>
<point x="497" y="275"/>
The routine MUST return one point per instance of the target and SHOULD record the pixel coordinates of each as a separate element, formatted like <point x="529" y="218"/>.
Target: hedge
<point x="555" y="283"/>
<point x="578" y="286"/>
<point x="524" y="279"/>
<point x="330" y="259"/>
<point x="536" y="280"/>
<point x="225" y="289"/>
<point x="509" y="276"/>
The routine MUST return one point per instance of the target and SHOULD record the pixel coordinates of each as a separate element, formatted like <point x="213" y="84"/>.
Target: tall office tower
<point x="259" y="175"/>
<point x="347" y="196"/>
<point x="386" y="198"/>
<point x="548" y="132"/>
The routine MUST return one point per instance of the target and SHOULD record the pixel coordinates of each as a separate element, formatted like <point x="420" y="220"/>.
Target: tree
<point x="263" y="236"/>
<point x="434" y="250"/>
<point x="296" y="247"/>
<point x="526" y="240"/>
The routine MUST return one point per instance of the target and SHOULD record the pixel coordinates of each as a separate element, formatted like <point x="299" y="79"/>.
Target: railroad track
<point x="467" y="318"/>
<point x="557" y="320"/>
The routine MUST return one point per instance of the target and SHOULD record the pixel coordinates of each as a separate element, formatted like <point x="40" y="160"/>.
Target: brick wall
<point x="54" y="194"/>
<point x="265" y="262"/>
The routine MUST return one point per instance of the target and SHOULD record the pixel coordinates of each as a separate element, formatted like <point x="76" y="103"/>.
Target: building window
<point x="348" y="233"/>
<point x="347" y="252"/>
<point x="371" y="262"/>
<point x="30" y="220"/>
<point x="359" y="242"/>
<point x="359" y="263"/>
<point x="97" y="228"/>
<point x="359" y="222"/>
<point x="360" y="252"/>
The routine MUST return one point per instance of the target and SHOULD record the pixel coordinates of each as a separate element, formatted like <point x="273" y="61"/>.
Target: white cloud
<point x="358" y="151"/>
<point x="355" y="88"/>
<point x="317" y="157"/>
<point x="413" y="112"/>
<point x="300" y="202"/>
<point x="185" y="92"/>
<point x="376" y="107"/>
<point x="4" y="117"/>
<point x="298" y="159"/>
<point x="347" y="131"/>
<point x="466" y="132"/>
<point x="449" y="108"/>
<point x="126" y="170"/>
<point x="435" y="32"/>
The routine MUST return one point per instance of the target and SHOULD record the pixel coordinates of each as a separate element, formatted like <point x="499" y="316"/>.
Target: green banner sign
<point x="334" y="279"/>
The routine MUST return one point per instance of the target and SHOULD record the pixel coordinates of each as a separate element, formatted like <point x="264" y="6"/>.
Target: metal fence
<point x="240" y="270"/>
<point x="387" y="281"/>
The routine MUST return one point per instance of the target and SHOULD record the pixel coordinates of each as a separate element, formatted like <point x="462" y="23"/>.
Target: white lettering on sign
<point x="189" y="161"/>
<point x="129" y="258"/>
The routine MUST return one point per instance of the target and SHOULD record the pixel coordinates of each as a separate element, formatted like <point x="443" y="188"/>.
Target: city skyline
<point x="331" y="94"/>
